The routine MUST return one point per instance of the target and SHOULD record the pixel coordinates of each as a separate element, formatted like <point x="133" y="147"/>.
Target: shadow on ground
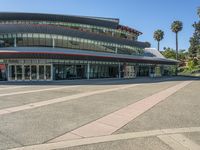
<point x="138" y="80"/>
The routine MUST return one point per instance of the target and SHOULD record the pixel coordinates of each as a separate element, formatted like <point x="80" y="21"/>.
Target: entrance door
<point x="33" y="72"/>
<point x="12" y="72"/>
<point x="143" y="71"/>
<point x="27" y="72"/>
<point x="19" y="72"/>
<point x="48" y="72"/>
<point x="41" y="72"/>
<point x="30" y="72"/>
<point x="2" y="72"/>
<point x="80" y="71"/>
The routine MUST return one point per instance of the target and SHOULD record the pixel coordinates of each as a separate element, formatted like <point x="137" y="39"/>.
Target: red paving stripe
<point x="114" y="121"/>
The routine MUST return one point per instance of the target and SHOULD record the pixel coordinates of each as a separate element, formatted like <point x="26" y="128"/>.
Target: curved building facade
<point x="59" y="47"/>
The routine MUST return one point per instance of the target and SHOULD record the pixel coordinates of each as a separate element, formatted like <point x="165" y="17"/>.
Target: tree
<point x="158" y="36"/>
<point x="183" y="55"/>
<point x="176" y="27"/>
<point x="198" y="11"/>
<point x="194" y="49"/>
<point x="169" y="53"/>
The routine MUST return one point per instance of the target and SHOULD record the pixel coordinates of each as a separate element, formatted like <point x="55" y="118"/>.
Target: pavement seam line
<point x="186" y="142"/>
<point x="168" y="140"/>
<point x="34" y="91"/>
<point x="107" y="138"/>
<point x="11" y="87"/>
<point x="62" y="99"/>
<point x="129" y="112"/>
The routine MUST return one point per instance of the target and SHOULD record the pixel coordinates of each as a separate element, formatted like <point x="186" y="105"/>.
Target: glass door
<point x="48" y="72"/>
<point x="2" y="72"/>
<point x="27" y="72"/>
<point x="33" y="72"/>
<point x="41" y="72"/>
<point x="12" y="72"/>
<point x="19" y="72"/>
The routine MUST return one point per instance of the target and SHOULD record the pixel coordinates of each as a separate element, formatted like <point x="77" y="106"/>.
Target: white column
<point x="45" y="78"/>
<point x="116" y="50"/>
<point x="8" y="73"/>
<point x="15" y="42"/>
<point x="149" y="71"/>
<point x="53" y="42"/>
<point x="88" y="70"/>
<point x="23" y="72"/>
<point x="119" y="71"/>
<point x="52" y="72"/>
<point x="30" y="73"/>
<point x="37" y="68"/>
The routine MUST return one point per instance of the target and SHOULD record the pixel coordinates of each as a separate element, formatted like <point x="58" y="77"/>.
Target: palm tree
<point x="176" y="27"/>
<point x="158" y="36"/>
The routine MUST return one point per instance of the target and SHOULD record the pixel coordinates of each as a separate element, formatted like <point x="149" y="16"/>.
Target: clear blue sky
<point x="144" y="15"/>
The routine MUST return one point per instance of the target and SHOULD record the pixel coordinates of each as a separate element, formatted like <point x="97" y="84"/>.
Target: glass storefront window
<point x="12" y="72"/>
<point x="33" y="72"/>
<point x="41" y="72"/>
<point x="29" y="39"/>
<point x="27" y="72"/>
<point x="19" y="72"/>
<point x="48" y="73"/>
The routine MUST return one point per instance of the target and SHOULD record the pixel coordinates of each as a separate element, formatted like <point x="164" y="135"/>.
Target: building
<point x="59" y="47"/>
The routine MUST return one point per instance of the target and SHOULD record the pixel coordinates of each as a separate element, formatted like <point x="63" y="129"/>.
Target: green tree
<point x="158" y="36"/>
<point x="183" y="55"/>
<point x="191" y="66"/>
<point x="176" y="27"/>
<point x="198" y="11"/>
<point x="194" y="49"/>
<point x="169" y="53"/>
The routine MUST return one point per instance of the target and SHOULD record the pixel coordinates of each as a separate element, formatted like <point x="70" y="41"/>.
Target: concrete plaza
<point x="139" y="114"/>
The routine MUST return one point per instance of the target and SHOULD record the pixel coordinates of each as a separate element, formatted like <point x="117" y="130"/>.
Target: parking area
<point x="100" y="114"/>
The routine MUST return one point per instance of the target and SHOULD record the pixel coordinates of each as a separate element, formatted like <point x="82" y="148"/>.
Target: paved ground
<point x="143" y="113"/>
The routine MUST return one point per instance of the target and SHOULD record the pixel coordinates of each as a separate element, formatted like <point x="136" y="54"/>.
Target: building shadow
<point x="138" y="80"/>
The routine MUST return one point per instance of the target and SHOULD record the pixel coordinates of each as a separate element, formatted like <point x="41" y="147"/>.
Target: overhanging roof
<point x="97" y="21"/>
<point x="58" y="53"/>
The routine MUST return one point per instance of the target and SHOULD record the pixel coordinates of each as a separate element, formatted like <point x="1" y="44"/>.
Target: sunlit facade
<point x="38" y="47"/>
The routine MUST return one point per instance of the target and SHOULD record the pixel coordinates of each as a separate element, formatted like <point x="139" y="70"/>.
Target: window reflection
<point x="46" y="40"/>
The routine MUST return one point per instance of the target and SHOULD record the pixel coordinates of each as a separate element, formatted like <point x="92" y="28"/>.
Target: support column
<point x="52" y="72"/>
<point x="45" y="78"/>
<point x="15" y="42"/>
<point x="37" y="70"/>
<point x="119" y="71"/>
<point x="150" y="75"/>
<point x="15" y="72"/>
<point x="23" y="72"/>
<point x="30" y="73"/>
<point x="8" y="73"/>
<point x="116" y="50"/>
<point x="88" y="70"/>
<point x="53" y="42"/>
